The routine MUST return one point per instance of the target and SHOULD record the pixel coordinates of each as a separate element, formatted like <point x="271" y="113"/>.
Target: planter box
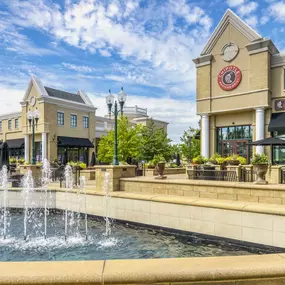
<point x="167" y="171"/>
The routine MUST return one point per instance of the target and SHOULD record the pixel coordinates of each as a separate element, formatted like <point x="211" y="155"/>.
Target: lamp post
<point x="122" y="96"/>
<point x="33" y="118"/>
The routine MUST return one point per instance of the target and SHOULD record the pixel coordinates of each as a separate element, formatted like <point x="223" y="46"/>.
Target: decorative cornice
<point x="203" y="60"/>
<point x="278" y="60"/>
<point x="261" y="46"/>
<point x="230" y="18"/>
<point x="68" y="104"/>
<point x="10" y="116"/>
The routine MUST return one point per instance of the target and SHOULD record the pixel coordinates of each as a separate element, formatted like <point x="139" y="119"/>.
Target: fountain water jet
<point x="46" y="176"/>
<point x="68" y="185"/>
<point x="28" y="189"/>
<point x="107" y="198"/>
<point x="83" y="190"/>
<point x="4" y="178"/>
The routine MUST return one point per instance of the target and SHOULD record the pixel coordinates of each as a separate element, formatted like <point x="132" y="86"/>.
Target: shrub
<point x="21" y="161"/>
<point x="199" y="160"/>
<point x="216" y="159"/>
<point x="12" y="160"/>
<point x="149" y="165"/>
<point x="260" y="159"/>
<point x="158" y="158"/>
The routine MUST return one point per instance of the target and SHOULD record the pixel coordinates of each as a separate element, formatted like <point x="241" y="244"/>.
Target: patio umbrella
<point x="4" y="157"/>
<point x="93" y="159"/>
<point x="268" y="141"/>
<point x="178" y="160"/>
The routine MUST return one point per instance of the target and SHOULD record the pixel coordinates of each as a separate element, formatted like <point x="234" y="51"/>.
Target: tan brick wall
<point x="203" y="82"/>
<point x="247" y="192"/>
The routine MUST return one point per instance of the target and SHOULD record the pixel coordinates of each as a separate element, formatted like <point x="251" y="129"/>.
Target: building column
<point x="259" y="128"/>
<point x="205" y="133"/>
<point x="27" y="148"/>
<point x="44" y="146"/>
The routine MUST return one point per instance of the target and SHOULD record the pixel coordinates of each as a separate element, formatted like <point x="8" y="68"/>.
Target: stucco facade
<point x="242" y="113"/>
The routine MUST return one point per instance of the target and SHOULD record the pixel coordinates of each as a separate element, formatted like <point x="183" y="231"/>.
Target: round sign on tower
<point x="229" y="77"/>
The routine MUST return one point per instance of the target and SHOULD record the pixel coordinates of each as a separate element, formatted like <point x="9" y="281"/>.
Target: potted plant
<point x="232" y="160"/>
<point x="260" y="164"/>
<point x="159" y="163"/>
<point x="21" y="161"/>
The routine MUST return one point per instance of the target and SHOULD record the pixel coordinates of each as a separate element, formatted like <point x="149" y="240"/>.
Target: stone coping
<point x="148" y="271"/>
<point x="114" y="166"/>
<point x="183" y="200"/>
<point x="186" y="181"/>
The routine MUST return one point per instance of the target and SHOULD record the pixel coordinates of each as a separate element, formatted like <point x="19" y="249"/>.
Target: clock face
<point x="33" y="101"/>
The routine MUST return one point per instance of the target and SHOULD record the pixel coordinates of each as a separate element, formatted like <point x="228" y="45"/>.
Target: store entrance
<point x="239" y="147"/>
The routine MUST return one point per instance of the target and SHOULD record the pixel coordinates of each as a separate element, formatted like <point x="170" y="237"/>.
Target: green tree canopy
<point x="154" y="141"/>
<point x="128" y="142"/>
<point x="190" y="144"/>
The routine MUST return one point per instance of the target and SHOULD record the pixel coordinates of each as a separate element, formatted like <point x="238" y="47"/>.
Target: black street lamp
<point x="33" y="118"/>
<point x="122" y="96"/>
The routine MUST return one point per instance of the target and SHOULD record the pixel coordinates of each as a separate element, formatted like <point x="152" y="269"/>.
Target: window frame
<point x="16" y="123"/>
<point x="72" y="117"/>
<point x="85" y="123"/>
<point x="59" y="119"/>
<point x="9" y="124"/>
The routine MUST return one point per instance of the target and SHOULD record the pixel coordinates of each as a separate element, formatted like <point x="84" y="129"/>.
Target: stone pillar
<point x="259" y="128"/>
<point x="27" y="148"/>
<point x="205" y="133"/>
<point x="44" y="146"/>
<point x="115" y="172"/>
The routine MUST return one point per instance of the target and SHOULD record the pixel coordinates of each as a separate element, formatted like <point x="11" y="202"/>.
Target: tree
<point x="190" y="146"/>
<point x="154" y="141"/>
<point x="128" y="142"/>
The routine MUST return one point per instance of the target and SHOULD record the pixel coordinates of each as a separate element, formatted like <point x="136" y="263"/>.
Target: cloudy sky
<point x="95" y="45"/>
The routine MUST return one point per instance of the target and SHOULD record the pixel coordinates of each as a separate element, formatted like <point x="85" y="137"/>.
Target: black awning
<point x="269" y="141"/>
<point x="74" y="142"/>
<point x="277" y="122"/>
<point x="18" y="143"/>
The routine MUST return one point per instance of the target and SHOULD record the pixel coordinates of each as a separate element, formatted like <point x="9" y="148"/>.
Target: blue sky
<point x="96" y="45"/>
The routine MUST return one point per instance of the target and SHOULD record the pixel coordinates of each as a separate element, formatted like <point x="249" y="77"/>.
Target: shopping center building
<point x="240" y="91"/>
<point x="66" y="125"/>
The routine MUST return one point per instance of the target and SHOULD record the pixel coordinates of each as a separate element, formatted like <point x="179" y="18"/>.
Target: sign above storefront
<point x="229" y="77"/>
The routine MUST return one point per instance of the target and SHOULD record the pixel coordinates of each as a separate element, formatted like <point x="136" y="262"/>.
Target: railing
<point x="212" y="174"/>
<point x="58" y="175"/>
<point x="247" y="175"/>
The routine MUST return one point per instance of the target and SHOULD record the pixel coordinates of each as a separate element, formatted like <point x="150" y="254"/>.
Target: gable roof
<point x="230" y="18"/>
<point x="51" y="93"/>
<point x="64" y="95"/>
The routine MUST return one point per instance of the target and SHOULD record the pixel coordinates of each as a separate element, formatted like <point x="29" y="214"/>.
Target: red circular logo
<point x="229" y="77"/>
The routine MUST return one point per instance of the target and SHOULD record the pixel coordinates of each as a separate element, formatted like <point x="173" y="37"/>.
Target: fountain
<point x="46" y="177"/>
<point x="28" y="189"/>
<point x="107" y="205"/>
<point x="4" y="180"/>
<point x="83" y="190"/>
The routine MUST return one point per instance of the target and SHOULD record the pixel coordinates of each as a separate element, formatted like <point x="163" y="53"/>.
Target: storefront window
<point x="234" y="140"/>
<point x="278" y="154"/>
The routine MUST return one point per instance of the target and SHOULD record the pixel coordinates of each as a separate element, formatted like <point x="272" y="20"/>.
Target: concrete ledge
<point x="254" y="269"/>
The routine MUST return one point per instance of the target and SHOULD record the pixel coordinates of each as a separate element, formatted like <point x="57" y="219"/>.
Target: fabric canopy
<point x="18" y="143"/>
<point x="74" y="142"/>
<point x="277" y="122"/>
<point x="269" y="141"/>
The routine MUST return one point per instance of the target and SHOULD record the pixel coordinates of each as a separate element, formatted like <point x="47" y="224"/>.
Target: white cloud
<point x="10" y="99"/>
<point x="264" y="20"/>
<point x="88" y="25"/>
<point x="252" y="21"/>
<point x="79" y="68"/>
<point x="235" y="3"/>
<point x="277" y="11"/>
<point x="247" y="8"/>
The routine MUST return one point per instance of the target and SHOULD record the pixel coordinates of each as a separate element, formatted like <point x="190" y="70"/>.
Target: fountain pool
<point x="126" y="241"/>
<point x="37" y="233"/>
